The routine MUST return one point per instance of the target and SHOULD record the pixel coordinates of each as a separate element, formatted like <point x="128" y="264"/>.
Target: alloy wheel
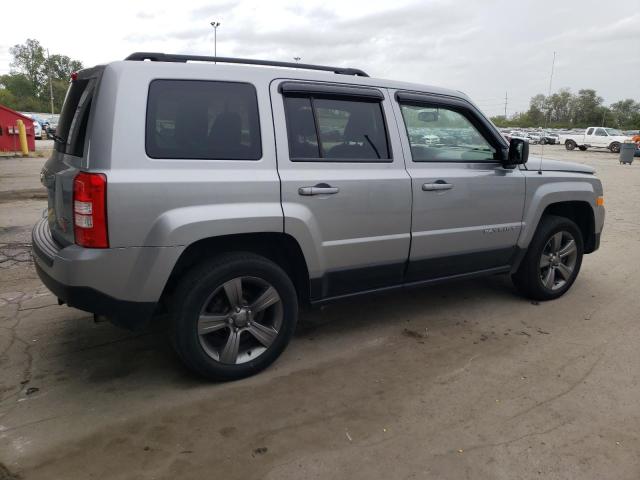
<point x="558" y="260"/>
<point x="240" y="320"/>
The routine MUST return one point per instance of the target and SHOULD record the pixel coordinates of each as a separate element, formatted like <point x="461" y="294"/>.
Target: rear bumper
<point x="123" y="284"/>
<point x="131" y="315"/>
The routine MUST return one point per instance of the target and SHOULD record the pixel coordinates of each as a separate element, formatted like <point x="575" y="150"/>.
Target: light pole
<point x="297" y="59"/>
<point x="215" y="26"/>
<point x="50" y="84"/>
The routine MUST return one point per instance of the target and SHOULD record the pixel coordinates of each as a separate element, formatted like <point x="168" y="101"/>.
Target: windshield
<point x="613" y="131"/>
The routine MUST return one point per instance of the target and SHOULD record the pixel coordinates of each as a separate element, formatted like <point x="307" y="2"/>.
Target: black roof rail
<point x="169" y="57"/>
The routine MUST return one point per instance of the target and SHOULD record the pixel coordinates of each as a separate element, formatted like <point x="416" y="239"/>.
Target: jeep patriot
<point x="226" y="194"/>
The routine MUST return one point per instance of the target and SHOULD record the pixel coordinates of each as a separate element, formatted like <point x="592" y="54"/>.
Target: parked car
<point x="549" y="138"/>
<point x="243" y="212"/>
<point x="598" y="137"/>
<point x="37" y="127"/>
<point x="534" y="137"/>
<point x="52" y="126"/>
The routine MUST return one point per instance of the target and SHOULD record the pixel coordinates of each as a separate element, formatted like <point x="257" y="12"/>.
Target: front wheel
<point x="233" y="316"/>
<point x="553" y="259"/>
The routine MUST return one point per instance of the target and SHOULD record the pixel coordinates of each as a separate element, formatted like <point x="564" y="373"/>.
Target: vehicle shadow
<point x="109" y="358"/>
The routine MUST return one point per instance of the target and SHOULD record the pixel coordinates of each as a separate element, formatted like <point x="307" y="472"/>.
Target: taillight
<point x="90" y="210"/>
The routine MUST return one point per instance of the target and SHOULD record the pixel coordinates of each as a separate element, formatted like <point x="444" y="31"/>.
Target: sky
<point x="485" y="48"/>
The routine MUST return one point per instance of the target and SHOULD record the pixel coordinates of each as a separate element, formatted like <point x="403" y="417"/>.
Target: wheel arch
<point x="581" y="213"/>
<point x="571" y="198"/>
<point x="278" y="247"/>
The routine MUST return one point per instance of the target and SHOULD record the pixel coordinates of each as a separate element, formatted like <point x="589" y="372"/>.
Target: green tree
<point x="587" y="108"/>
<point x="26" y="87"/>
<point x="28" y="59"/>
<point x="61" y="67"/>
<point x="559" y="105"/>
<point x="626" y="113"/>
<point x="567" y="110"/>
<point x="537" y="110"/>
<point x="19" y="92"/>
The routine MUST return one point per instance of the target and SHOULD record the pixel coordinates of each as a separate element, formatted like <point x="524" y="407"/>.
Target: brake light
<point x="90" y="210"/>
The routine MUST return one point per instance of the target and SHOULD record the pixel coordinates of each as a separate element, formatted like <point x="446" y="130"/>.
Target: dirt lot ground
<point x="462" y="380"/>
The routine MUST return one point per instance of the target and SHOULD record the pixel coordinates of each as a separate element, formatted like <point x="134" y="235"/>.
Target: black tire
<point x="194" y="292"/>
<point x="570" y="145"/>
<point x="543" y="141"/>
<point x="615" y="147"/>
<point x="582" y="148"/>
<point x="528" y="278"/>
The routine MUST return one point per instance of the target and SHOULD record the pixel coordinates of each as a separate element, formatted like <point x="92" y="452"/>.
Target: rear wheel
<point x="614" y="147"/>
<point x="553" y="259"/>
<point x="543" y="141"/>
<point x="233" y="316"/>
<point x="582" y="148"/>
<point x="570" y="145"/>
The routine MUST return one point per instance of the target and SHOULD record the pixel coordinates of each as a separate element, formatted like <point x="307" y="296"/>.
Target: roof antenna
<point x="546" y="118"/>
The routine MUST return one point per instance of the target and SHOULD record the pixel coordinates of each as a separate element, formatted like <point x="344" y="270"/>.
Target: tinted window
<point x="351" y="129"/>
<point x="444" y="135"/>
<point x="348" y="130"/>
<point x="209" y="120"/>
<point x="301" y="129"/>
<point x="74" y="118"/>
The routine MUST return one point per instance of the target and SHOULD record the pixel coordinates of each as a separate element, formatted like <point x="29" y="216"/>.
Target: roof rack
<point x="168" y="57"/>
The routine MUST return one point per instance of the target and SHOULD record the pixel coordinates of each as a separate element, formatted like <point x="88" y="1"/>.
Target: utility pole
<point x="505" y="105"/>
<point x="50" y="84"/>
<point x="297" y="59"/>
<point x="215" y="26"/>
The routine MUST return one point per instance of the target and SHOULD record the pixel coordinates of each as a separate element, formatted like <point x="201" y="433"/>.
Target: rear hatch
<point x="69" y="153"/>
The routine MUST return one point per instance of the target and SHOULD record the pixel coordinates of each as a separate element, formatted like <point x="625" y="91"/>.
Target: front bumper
<point x="123" y="284"/>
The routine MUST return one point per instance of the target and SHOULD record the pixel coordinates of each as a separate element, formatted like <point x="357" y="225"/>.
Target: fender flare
<point x="549" y="194"/>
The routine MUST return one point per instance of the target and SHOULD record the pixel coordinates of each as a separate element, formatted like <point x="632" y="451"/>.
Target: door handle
<point x="319" y="189"/>
<point x="438" y="185"/>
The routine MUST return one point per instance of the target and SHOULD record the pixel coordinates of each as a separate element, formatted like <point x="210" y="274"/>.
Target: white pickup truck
<point x="598" y="137"/>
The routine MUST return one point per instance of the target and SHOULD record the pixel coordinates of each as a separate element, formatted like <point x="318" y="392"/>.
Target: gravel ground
<point x="463" y="380"/>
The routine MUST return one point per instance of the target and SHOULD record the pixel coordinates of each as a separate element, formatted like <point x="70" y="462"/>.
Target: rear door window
<point x="338" y="130"/>
<point x="203" y="120"/>
<point x="301" y="128"/>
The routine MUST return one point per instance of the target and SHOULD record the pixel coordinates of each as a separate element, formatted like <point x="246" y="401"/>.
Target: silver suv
<point x="228" y="196"/>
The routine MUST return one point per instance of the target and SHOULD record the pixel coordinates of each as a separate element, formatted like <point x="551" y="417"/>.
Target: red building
<point x="9" y="141"/>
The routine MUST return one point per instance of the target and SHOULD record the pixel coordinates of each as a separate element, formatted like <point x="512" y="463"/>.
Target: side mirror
<point x="518" y="152"/>
<point x="428" y="116"/>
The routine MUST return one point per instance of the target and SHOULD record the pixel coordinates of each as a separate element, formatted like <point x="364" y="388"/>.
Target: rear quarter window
<point x="74" y="118"/>
<point x="202" y="120"/>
